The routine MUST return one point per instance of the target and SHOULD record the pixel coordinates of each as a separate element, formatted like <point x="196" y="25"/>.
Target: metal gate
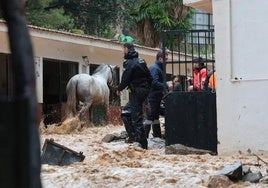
<point x="190" y="117"/>
<point x="185" y="45"/>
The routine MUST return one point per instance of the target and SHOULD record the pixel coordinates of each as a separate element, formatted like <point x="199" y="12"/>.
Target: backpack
<point x="144" y="66"/>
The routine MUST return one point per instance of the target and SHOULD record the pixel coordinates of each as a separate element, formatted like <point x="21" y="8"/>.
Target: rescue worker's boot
<point x="147" y="127"/>
<point x="126" y="118"/>
<point x="156" y="129"/>
<point x="140" y="136"/>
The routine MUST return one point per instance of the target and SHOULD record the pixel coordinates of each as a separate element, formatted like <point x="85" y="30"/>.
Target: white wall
<point x="242" y="70"/>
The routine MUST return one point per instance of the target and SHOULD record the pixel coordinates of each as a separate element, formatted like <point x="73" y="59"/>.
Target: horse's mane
<point x="99" y="68"/>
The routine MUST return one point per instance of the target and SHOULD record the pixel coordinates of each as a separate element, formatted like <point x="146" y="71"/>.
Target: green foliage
<point x="144" y="20"/>
<point x="154" y="16"/>
<point x="38" y="15"/>
<point x="90" y="16"/>
<point x="108" y="32"/>
<point x="165" y="15"/>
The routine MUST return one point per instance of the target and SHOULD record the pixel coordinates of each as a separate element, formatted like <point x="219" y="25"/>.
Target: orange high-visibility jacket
<point x="212" y="81"/>
<point x="200" y="76"/>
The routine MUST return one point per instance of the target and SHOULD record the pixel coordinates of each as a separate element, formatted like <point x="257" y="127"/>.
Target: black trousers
<point x="154" y="101"/>
<point x="132" y="115"/>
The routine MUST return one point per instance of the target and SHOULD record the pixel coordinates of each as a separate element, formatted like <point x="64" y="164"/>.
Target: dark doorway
<point x="6" y="76"/>
<point x="56" y="74"/>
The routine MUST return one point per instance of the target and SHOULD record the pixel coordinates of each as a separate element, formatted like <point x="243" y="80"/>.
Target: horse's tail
<point x="71" y="98"/>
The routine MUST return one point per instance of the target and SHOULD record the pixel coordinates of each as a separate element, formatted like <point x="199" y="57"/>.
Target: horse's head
<point x="108" y="72"/>
<point x="112" y="76"/>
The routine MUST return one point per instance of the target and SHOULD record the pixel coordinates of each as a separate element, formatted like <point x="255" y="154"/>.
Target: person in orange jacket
<point x="200" y="75"/>
<point x="212" y="81"/>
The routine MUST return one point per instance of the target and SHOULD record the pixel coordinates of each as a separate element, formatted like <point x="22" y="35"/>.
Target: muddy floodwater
<point x="118" y="164"/>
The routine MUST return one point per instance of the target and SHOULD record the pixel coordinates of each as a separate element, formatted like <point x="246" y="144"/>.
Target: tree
<point x="142" y="20"/>
<point x="154" y="16"/>
<point x="38" y="13"/>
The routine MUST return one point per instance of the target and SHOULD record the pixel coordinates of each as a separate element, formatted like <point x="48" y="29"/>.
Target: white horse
<point x="90" y="90"/>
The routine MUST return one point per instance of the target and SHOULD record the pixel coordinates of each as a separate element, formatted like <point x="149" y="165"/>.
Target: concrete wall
<point x="242" y="70"/>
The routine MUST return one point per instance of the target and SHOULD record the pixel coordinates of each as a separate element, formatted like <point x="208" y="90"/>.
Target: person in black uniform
<point x="156" y="95"/>
<point x="137" y="79"/>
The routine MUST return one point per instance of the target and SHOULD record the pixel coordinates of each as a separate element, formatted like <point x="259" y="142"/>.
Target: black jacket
<point x="136" y="73"/>
<point x="157" y="73"/>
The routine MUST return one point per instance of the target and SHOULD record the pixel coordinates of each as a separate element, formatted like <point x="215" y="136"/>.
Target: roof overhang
<point x="204" y="5"/>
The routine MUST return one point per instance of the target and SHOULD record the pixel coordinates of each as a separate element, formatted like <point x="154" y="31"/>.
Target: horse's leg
<point x="71" y="98"/>
<point x="71" y="110"/>
<point x="83" y="110"/>
<point x="74" y="111"/>
<point x="106" y="104"/>
<point x="74" y="108"/>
